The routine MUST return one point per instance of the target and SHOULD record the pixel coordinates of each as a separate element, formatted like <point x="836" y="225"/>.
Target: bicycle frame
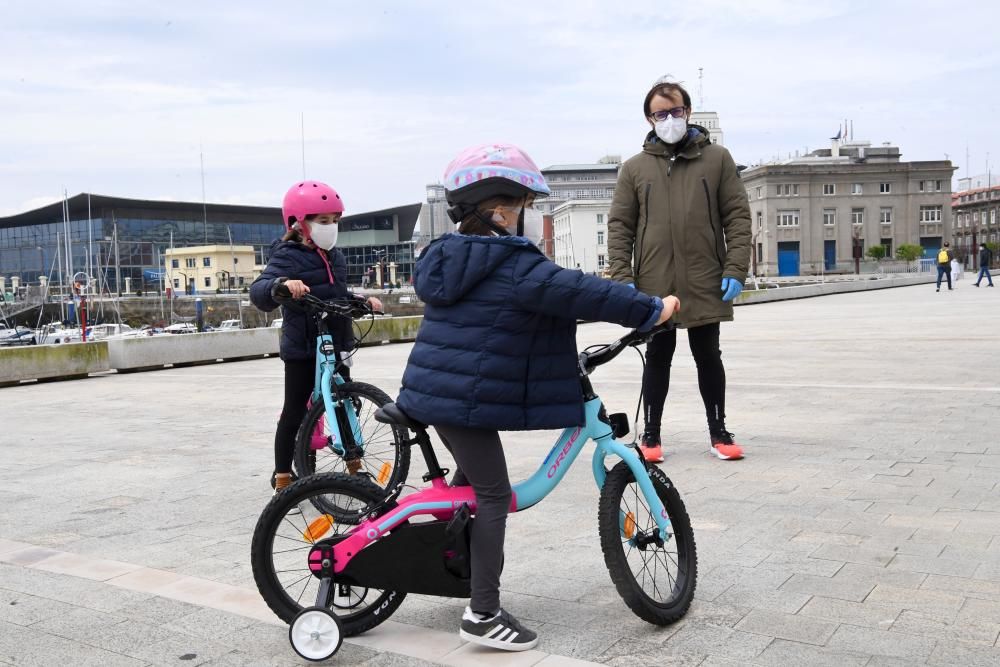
<point x="441" y="500"/>
<point x="326" y="378"/>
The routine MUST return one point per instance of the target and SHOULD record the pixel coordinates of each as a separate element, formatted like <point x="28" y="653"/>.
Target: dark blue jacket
<point x="292" y="260"/>
<point x="497" y="346"/>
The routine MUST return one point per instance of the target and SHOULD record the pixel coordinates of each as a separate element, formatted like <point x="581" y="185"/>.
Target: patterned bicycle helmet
<point x="309" y="198"/>
<point x="491" y="170"/>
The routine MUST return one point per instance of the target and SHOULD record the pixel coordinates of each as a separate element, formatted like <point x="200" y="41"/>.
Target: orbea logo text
<point x="562" y="454"/>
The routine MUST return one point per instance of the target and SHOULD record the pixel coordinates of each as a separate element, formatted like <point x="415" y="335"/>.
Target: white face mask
<point x="671" y="130"/>
<point x="533" y="226"/>
<point x="324" y="236"/>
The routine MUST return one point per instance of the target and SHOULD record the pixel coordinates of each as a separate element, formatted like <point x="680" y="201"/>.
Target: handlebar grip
<point x="280" y="290"/>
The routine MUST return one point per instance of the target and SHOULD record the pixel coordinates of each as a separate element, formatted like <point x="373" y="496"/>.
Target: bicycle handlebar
<point x="591" y="360"/>
<point x="349" y="307"/>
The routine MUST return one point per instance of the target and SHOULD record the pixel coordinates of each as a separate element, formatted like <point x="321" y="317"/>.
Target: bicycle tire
<point x="379" y="438"/>
<point x="616" y="557"/>
<point x="275" y="516"/>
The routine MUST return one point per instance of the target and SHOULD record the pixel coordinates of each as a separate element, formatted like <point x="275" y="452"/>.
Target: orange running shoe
<point x="724" y="447"/>
<point x="651" y="448"/>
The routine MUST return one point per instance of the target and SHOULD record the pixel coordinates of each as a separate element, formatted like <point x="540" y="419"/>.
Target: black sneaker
<point x="501" y="631"/>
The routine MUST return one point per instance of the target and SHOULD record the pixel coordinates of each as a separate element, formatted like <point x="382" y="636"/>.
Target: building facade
<point x="976" y="214"/>
<point x="121" y="243"/>
<point x="580" y="235"/>
<point x="434" y="220"/>
<point x="208" y="268"/>
<point x="710" y="121"/>
<point x="810" y="215"/>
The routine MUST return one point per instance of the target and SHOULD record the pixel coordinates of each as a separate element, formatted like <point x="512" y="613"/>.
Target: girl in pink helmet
<point x="496" y="350"/>
<point x="307" y="261"/>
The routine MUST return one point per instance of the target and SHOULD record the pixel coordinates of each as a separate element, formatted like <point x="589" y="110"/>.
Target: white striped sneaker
<point x="501" y="631"/>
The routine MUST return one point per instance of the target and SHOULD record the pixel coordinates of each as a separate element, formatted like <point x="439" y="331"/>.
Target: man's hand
<point x="731" y="288"/>
<point x="375" y="303"/>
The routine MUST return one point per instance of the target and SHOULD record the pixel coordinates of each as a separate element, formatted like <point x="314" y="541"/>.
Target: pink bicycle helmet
<point x="309" y="198"/>
<point x="491" y="170"/>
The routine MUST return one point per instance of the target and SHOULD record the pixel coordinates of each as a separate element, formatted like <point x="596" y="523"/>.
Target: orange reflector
<point x="629" y="525"/>
<point x="318" y="528"/>
<point x="383" y="473"/>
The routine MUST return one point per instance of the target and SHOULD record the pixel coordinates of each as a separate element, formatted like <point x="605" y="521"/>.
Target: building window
<point x="600" y="218"/>
<point x="175" y="264"/>
<point x="829" y="217"/>
<point x="759" y="195"/>
<point x="788" y="218"/>
<point x="857" y="216"/>
<point x="189" y="262"/>
<point x="884" y="188"/>
<point x="885" y="215"/>
<point x="937" y="186"/>
<point x="600" y="238"/>
<point x="602" y="261"/>
<point x="829" y="188"/>
<point x="760" y="252"/>
<point x="921" y="184"/>
<point x="856" y="189"/>
<point x="208" y="281"/>
<point x="206" y="261"/>
<point x="930" y="214"/>
<point x="760" y="219"/>
<point x="177" y="283"/>
<point x="993" y="217"/>
<point x="777" y="190"/>
<point x="795" y="190"/>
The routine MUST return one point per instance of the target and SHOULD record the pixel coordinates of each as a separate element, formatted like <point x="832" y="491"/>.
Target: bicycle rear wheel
<point x="385" y="460"/>
<point x="294" y="522"/>
<point x="656" y="578"/>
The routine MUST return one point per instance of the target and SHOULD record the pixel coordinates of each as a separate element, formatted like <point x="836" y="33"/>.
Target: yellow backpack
<point x="943" y="257"/>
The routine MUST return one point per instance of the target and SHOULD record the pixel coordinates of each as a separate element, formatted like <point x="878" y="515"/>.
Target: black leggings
<point x="299" y="378"/>
<point x="704" y="342"/>
<point x="481" y="464"/>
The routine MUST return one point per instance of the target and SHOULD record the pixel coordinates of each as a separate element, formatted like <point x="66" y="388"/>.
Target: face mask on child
<point x="324" y="236"/>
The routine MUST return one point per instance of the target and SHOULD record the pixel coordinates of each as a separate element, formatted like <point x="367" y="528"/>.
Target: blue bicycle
<point x="334" y="574"/>
<point x="339" y="432"/>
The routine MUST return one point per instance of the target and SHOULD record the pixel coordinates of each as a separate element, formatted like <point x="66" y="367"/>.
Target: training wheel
<point x="315" y="634"/>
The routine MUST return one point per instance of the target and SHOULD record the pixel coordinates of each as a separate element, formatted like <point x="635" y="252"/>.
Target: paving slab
<point x="862" y="528"/>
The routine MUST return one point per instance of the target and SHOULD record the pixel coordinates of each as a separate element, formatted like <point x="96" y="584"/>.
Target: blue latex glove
<point x="632" y="285"/>
<point x="732" y="288"/>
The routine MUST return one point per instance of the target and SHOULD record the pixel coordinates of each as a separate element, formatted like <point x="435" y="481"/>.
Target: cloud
<point x="126" y="98"/>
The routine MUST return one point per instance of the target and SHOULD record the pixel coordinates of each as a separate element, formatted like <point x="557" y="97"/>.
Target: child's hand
<point x="297" y="288"/>
<point x="671" y="305"/>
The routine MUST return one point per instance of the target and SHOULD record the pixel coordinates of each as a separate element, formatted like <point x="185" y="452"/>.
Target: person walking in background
<point x="944" y="258"/>
<point x="680" y="224"/>
<point x="985" y="259"/>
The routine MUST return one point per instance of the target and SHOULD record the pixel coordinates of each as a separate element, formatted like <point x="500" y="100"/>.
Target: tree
<point x="876" y="252"/>
<point x="909" y="252"/>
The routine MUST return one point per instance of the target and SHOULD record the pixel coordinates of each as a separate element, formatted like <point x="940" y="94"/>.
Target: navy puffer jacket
<point x="497" y="346"/>
<point x="292" y="260"/>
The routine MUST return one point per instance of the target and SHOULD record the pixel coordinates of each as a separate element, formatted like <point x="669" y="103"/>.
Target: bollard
<point x="199" y="313"/>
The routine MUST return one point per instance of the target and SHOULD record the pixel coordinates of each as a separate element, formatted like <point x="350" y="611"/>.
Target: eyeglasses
<point x="662" y="115"/>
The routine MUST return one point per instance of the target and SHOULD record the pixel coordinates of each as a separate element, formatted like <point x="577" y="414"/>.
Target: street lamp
<point x="187" y="283"/>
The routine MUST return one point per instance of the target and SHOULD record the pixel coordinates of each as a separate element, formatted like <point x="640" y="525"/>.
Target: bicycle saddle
<point x="390" y="413"/>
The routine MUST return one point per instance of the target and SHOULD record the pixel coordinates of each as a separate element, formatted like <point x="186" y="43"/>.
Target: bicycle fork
<point x="643" y="478"/>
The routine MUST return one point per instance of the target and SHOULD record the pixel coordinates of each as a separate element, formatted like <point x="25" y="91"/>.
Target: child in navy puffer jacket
<point x="305" y="261"/>
<point x="497" y="350"/>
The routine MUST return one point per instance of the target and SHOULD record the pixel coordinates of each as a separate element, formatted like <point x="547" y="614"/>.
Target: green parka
<point x="679" y="224"/>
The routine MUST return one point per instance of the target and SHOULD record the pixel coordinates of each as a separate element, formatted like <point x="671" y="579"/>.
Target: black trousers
<point x="299" y="378"/>
<point x="481" y="464"/>
<point x="704" y="343"/>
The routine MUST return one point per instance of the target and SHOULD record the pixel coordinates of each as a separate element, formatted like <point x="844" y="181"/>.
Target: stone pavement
<point x="863" y="528"/>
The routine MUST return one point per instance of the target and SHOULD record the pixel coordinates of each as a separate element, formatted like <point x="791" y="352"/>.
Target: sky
<point x="130" y="98"/>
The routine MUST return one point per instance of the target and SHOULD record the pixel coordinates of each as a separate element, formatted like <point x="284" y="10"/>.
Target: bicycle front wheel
<point x="381" y="456"/>
<point x="655" y="577"/>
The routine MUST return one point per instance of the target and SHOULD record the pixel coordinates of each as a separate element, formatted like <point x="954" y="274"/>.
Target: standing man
<point x="680" y="224"/>
<point x="985" y="258"/>
<point x="944" y="258"/>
